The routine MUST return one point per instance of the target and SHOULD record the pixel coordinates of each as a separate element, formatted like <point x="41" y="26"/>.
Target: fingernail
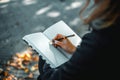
<point x="55" y="41"/>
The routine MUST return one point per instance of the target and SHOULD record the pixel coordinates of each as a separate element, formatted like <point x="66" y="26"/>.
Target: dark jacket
<point x="96" y="58"/>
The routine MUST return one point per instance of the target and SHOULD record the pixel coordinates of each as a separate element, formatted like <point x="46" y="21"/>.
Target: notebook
<point x="40" y="41"/>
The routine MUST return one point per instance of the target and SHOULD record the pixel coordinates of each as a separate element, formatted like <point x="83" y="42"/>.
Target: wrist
<point x="72" y="49"/>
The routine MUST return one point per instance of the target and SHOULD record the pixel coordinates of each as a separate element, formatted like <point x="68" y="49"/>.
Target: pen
<point x="65" y="37"/>
<point x="62" y="38"/>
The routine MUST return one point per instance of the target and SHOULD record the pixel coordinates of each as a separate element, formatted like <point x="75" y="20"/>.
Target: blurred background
<point x="21" y="17"/>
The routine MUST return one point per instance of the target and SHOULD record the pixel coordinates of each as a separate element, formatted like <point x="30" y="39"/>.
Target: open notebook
<point x="40" y="42"/>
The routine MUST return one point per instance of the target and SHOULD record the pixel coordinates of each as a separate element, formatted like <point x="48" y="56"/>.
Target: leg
<point x="41" y="64"/>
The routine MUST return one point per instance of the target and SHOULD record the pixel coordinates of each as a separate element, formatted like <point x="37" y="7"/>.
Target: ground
<point x="21" y="17"/>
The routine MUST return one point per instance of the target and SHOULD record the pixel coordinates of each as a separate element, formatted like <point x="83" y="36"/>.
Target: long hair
<point x="110" y="15"/>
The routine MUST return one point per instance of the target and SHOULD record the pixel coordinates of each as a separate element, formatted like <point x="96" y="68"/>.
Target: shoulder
<point x="88" y="48"/>
<point x="92" y="38"/>
<point x="91" y="44"/>
<point x="99" y="37"/>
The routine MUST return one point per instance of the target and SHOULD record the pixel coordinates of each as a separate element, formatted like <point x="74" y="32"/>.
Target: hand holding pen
<point x="63" y="42"/>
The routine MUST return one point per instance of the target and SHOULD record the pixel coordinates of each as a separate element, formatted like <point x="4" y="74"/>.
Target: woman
<point x="97" y="55"/>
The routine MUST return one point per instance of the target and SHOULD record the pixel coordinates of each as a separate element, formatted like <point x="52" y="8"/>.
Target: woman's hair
<point x="112" y="14"/>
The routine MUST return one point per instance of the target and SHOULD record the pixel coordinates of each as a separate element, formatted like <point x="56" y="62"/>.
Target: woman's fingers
<point x="58" y="43"/>
<point x="64" y="43"/>
<point x="58" y="36"/>
<point x="54" y="41"/>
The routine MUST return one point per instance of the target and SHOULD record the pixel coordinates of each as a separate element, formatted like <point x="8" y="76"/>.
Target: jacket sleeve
<point x="82" y="62"/>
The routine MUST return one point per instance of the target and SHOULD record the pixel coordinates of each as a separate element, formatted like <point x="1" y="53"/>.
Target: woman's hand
<point x="64" y="43"/>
